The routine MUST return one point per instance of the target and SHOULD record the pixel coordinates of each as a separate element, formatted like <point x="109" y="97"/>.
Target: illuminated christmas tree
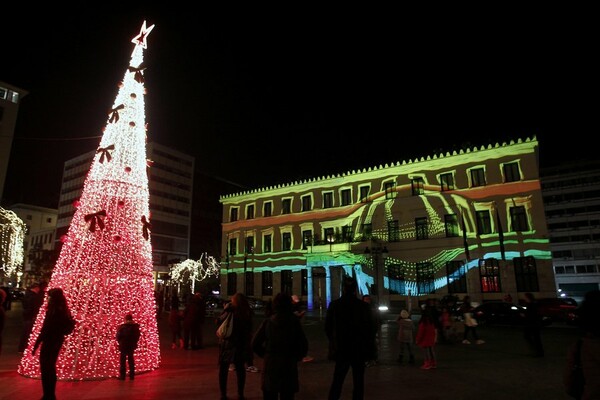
<point x="105" y="264"/>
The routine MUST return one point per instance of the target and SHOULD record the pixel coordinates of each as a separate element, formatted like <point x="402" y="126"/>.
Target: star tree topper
<point x="140" y="39"/>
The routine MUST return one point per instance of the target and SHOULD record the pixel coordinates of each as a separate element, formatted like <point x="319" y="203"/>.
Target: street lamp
<point x="378" y="255"/>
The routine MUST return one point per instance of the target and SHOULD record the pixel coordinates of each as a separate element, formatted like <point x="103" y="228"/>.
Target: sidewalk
<point x="501" y="369"/>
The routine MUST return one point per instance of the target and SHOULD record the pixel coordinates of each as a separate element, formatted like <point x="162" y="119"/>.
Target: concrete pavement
<point x="499" y="369"/>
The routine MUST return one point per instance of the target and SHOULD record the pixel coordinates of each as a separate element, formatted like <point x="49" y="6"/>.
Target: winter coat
<point x="590" y="360"/>
<point x="426" y="334"/>
<point x="128" y="335"/>
<point x="406" y="329"/>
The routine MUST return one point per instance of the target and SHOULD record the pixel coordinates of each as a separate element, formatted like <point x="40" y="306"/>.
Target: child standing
<point x="426" y="338"/>
<point x="405" y="336"/>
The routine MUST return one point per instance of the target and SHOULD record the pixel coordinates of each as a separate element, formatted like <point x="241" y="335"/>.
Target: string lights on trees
<point x="105" y="264"/>
<point x="12" y="234"/>
<point x="194" y="271"/>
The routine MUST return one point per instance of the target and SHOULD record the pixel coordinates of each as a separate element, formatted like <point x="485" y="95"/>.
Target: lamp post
<point x="379" y="254"/>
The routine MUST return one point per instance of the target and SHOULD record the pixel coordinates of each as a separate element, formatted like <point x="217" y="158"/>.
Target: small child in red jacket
<point x="426" y="339"/>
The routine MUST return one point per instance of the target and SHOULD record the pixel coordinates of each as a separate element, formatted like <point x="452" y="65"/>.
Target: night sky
<point x="270" y="96"/>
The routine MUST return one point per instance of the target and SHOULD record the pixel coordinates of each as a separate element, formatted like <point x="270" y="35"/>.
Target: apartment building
<point x="38" y="245"/>
<point x="171" y="180"/>
<point x="571" y="194"/>
<point x="467" y="222"/>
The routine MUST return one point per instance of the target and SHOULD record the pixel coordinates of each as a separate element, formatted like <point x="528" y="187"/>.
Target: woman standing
<point x="58" y="322"/>
<point x="236" y="348"/>
<point x="466" y="309"/>
<point x="280" y="340"/>
<point x="426" y="339"/>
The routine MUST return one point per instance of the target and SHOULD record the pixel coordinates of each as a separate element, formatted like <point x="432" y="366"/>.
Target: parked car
<point x="499" y="312"/>
<point x="559" y="309"/>
<point x="214" y="304"/>
<point x="256" y="303"/>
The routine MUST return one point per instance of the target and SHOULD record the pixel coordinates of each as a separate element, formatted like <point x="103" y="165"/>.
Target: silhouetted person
<point x="280" y="340"/>
<point x="58" y="323"/>
<point x="128" y="335"/>
<point x="349" y="328"/>
<point x="32" y="301"/>
<point x="194" y="316"/>
<point x="533" y="325"/>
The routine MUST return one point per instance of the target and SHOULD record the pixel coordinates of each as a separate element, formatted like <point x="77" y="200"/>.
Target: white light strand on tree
<point x="12" y="235"/>
<point x="195" y="270"/>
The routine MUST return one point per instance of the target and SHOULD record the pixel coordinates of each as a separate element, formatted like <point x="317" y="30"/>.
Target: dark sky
<point x="270" y="96"/>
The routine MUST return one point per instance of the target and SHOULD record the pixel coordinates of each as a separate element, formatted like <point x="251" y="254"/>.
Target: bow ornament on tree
<point x="139" y="77"/>
<point x="114" y="113"/>
<point x="105" y="152"/>
<point x="147" y="227"/>
<point x="96" y="218"/>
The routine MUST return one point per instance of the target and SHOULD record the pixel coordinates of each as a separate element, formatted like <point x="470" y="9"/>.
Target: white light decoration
<point x="195" y="270"/>
<point x="105" y="264"/>
<point x="12" y="236"/>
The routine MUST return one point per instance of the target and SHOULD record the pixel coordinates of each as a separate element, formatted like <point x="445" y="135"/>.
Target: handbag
<point x="226" y="328"/>
<point x="574" y="380"/>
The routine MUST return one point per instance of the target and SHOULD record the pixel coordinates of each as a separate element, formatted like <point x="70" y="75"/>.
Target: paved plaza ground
<point x="500" y="369"/>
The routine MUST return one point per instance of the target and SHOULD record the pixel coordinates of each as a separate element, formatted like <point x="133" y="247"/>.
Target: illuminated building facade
<point x="572" y="201"/>
<point x="171" y="177"/>
<point x="467" y="222"/>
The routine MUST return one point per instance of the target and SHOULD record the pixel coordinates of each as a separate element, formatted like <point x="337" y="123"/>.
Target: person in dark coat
<point x="32" y="301"/>
<point x="533" y="325"/>
<point x="349" y="328"/>
<point x="234" y="350"/>
<point x="281" y="341"/>
<point x="58" y="323"/>
<point x="194" y="316"/>
<point x="128" y="335"/>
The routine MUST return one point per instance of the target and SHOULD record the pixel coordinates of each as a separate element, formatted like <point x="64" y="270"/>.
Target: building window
<point x="447" y="181"/>
<point x="346" y="197"/>
<point x="327" y="199"/>
<point x="397" y="280"/>
<point x="526" y="274"/>
<point x="286" y="206"/>
<point x="267" y="283"/>
<point x="346" y="234"/>
<point x="304" y="285"/>
<point x="511" y="172"/>
<point x="393" y="231"/>
<point x="267" y="243"/>
<point x="390" y="189"/>
<point x="286" y="241"/>
<point x="329" y="235"/>
<point x="518" y="219"/>
<point x="268" y="209"/>
<point x="484" y="223"/>
<point x="456" y="273"/>
<point x="421" y="228"/>
<point x="477" y="177"/>
<point x="250" y="211"/>
<point x="233" y="246"/>
<point x="249" y="276"/>
<point x="306" y="239"/>
<point x="489" y="275"/>
<point x="364" y="193"/>
<point x="231" y="283"/>
<point x="417" y="185"/>
<point x="249" y="245"/>
<point x="366" y="231"/>
<point x="287" y="282"/>
<point x="451" y="225"/>
<point x="425" y="278"/>
<point x="233" y="214"/>
<point x="306" y="203"/>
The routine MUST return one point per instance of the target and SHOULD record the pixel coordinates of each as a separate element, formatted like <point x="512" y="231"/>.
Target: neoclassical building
<point x="467" y="222"/>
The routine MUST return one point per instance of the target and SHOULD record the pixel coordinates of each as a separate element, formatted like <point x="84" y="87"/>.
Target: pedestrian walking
<point x="281" y="341"/>
<point x="589" y="347"/>
<point x="32" y="301"/>
<point x="349" y="328"/>
<point x="427" y="333"/>
<point x="128" y="335"/>
<point x="58" y="323"/>
<point x="175" y="319"/>
<point x="533" y="325"/>
<point x="194" y="316"/>
<point x="234" y="349"/>
<point x="406" y="329"/>
<point x="469" y="321"/>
